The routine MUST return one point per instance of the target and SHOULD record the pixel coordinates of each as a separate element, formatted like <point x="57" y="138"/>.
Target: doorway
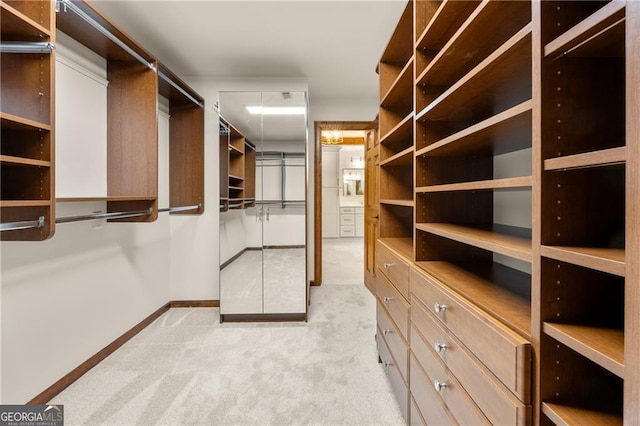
<point x="343" y="188"/>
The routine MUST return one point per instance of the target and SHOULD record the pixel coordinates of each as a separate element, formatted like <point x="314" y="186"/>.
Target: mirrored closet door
<point x="263" y="179"/>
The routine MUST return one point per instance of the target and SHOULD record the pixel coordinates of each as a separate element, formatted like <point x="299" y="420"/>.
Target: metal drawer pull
<point x="439" y="385"/>
<point x="388" y="265"/>
<point x="385" y="331"/>
<point x="387" y="298"/>
<point x="386" y="364"/>
<point x="440" y="347"/>
<point x="438" y="307"/>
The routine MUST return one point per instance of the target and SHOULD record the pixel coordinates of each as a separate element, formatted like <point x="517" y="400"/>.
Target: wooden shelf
<point x="402" y="85"/>
<point x="605" y="157"/>
<point x="603" y="346"/>
<point x="507" y="244"/>
<point x="9" y="160"/>
<point x="446" y="18"/>
<point x="590" y="28"/>
<point x="24" y="203"/>
<point x="234" y="177"/>
<point x="506" y="65"/>
<point x="399" y="203"/>
<point x="235" y="188"/>
<point x="403" y="158"/>
<point x="479" y="35"/>
<point x="470" y="280"/>
<point x="496" y="133"/>
<point x="11" y="121"/>
<point x="402" y="245"/>
<point x="15" y="23"/>
<point x="564" y="415"/>
<point x="495" y="184"/>
<point x="400" y="132"/>
<point x="607" y="260"/>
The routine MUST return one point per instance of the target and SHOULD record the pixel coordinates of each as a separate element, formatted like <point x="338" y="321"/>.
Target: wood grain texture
<point x="395" y="266"/>
<point x="606" y="157"/>
<point x="564" y="415"/>
<point x="429" y="402"/>
<point x="632" y="218"/>
<point x="194" y="304"/>
<point x="519" y="182"/>
<point x="395" y="304"/>
<point x="398" y="386"/>
<point x="504" y="352"/>
<point x="392" y="336"/>
<point x="609" y="260"/>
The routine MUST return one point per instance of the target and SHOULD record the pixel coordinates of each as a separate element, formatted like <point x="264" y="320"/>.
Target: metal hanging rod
<point x="280" y="154"/>
<point x="68" y="4"/>
<point x="179" y="209"/>
<point x="25" y="224"/>
<point x="289" y="202"/>
<point x="26" y="47"/>
<point x="180" y="89"/>
<point x="224" y="129"/>
<point x="114" y="215"/>
<point x="233" y="206"/>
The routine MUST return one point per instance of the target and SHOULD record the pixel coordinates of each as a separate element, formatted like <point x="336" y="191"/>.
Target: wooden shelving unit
<point x="396" y="71"/>
<point x="237" y="169"/>
<point x="586" y="163"/>
<point x="186" y="142"/>
<point x="132" y="103"/>
<point x="27" y="125"/>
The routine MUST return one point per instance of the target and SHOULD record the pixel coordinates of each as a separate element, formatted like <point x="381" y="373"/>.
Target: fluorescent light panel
<point x="276" y="110"/>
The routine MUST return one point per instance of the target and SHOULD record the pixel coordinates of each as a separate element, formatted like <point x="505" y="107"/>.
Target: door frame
<point x="318" y="127"/>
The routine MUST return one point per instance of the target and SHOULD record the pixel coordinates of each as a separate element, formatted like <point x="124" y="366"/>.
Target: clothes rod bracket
<point x="26" y="47"/>
<point x="25" y="224"/>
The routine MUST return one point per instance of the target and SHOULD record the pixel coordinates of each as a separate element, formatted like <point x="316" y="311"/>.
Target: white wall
<point x="66" y="298"/>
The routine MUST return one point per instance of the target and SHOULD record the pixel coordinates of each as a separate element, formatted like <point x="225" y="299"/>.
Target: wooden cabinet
<point x="237" y="169"/>
<point x="511" y="184"/>
<point x="27" y="192"/>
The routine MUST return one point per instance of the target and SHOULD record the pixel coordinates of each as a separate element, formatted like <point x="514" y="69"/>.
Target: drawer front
<point x="395" y="342"/>
<point x="347" y="219"/>
<point x="347" y="231"/>
<point x="427" y="401"/>
<point x="505" y="353"/>
<point x="497" y="403"/>
<point x="394" y="267"/>
<point x="456" y="399"/>
<point x="398" y="386"/>
<point x="347" y="210"/>
<point x="395" y="304"/>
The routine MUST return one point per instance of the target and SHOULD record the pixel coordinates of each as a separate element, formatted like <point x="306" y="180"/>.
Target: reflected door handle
<point x="267" y="214"/>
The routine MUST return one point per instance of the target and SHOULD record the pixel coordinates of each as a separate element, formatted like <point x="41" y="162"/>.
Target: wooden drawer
<point x="456" y="399"/>
<point x="393" y="267"/>
<point x="497" y="403"/>
<point x="395" y="342"/>
<point x="348" y="219"/>
<point x="505" y="353"/>
<point x="395" y="304"/>
<point x="347" y="231"/>
<point x="428" y="402"/>
<point x="398" y="386"/>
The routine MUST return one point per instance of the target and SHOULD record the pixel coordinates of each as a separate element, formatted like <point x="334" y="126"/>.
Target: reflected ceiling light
<point x="332" y="137"/>
<point x="276" y="110"/>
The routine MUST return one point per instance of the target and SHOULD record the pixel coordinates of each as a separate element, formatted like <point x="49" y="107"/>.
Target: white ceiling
<point x="334" y="44"/>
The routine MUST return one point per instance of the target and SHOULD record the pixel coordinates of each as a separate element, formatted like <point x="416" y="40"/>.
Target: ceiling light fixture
<point x="276" y="110"/>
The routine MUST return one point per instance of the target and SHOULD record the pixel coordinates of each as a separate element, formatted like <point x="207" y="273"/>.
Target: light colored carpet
<point x="188" y="369"/>
<point x="342" y="261"/>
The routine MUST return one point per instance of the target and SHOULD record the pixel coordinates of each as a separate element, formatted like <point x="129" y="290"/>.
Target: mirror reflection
<point x="263" y="175"/>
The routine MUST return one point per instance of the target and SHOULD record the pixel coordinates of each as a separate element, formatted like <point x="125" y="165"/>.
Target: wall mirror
<point x="263" y="180"/>
<point x="352" y="182"/>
